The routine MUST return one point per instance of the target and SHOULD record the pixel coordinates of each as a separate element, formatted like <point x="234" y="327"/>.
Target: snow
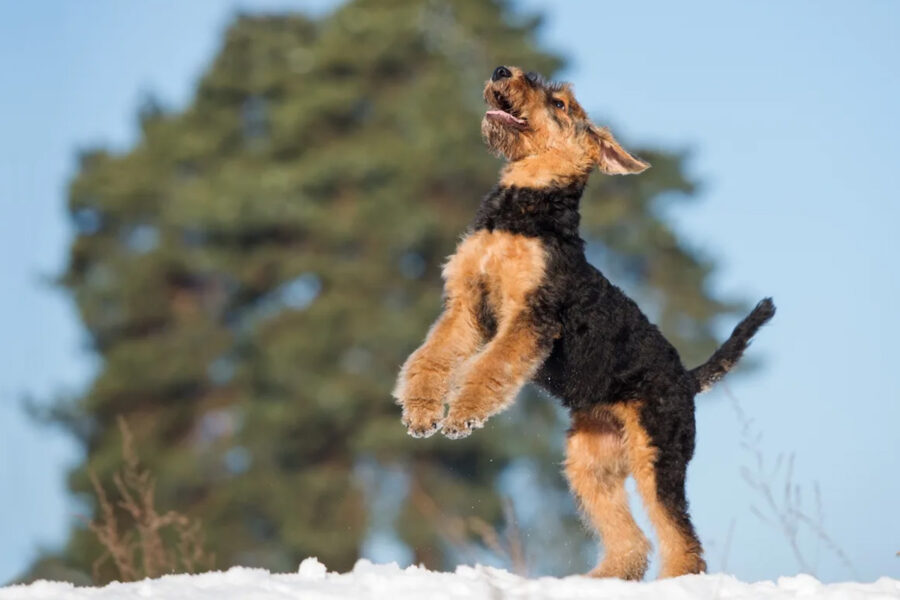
<point x="373" y="582"/>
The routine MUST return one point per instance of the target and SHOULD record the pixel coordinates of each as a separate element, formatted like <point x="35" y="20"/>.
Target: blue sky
<point x="789" y="111"/>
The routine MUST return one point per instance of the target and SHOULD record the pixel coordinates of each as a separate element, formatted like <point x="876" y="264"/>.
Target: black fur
<point x="730" y="352"/>
<point x="606" y="350"/>
<point x="602" y="347"/>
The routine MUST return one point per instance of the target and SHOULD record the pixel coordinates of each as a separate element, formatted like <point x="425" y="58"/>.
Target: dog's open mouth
<point x="505" y="113"/>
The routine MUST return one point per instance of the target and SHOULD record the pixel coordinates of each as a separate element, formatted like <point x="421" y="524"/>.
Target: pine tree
<point x="254" y="271"/>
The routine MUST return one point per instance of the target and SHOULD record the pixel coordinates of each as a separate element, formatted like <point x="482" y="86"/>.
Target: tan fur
<point x="424" y="379"/>
<point x="558" y="166"/>
<point x="557" y="146"/>
<point x="680" y="554"/>
<point x="491" y="381"/>
<point x="611" y="158"/>
<point x="596" y="467"/>
<point x="510" y="267"/>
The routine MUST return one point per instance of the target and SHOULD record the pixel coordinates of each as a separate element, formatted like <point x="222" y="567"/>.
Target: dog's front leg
<point x="424" y="379"/>
<point x="491" y="380"/>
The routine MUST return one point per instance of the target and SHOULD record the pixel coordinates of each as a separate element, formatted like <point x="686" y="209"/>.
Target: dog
<point x="522" y="304"/>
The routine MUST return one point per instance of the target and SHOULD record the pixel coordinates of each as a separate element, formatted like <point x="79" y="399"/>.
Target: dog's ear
<point x="611" y="158"/>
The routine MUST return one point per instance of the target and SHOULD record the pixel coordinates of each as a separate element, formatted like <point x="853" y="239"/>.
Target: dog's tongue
<point x="502" y="115"/>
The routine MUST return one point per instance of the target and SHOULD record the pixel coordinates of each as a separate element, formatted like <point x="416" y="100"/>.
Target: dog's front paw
<point x="458" y="428"/>
<point x="422" y="417"/>
<point x="423" y="431"/>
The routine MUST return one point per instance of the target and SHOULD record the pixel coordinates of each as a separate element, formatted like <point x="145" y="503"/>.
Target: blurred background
<point x="222" y="224"/>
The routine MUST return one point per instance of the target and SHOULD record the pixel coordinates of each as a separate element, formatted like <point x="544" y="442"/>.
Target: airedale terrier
<point x="523" y="304"/>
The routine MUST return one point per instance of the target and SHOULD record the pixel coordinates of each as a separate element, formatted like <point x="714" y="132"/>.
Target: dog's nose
<point x="501" y="72"/>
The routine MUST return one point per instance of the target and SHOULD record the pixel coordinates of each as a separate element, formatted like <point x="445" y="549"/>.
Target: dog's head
<point x="540" y="128"/>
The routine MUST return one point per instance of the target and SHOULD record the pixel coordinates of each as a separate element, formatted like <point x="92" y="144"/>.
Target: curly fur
<point x="522" y="304"/>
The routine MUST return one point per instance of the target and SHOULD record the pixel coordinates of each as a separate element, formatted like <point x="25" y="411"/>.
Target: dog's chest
<point x="500" y="267"/>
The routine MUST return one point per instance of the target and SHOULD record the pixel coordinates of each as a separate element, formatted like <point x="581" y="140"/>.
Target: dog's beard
<point x="501" y="140"/>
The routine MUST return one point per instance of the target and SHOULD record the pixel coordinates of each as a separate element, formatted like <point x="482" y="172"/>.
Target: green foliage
<point x="254" y="271"/>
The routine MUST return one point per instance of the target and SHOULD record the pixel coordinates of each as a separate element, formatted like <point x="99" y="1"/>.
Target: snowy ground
<point x="374" y="582"/>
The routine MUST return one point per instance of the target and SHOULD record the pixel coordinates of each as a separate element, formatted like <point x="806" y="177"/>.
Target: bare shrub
<point x="781" y="499"/>
<point x="145" y="543"/>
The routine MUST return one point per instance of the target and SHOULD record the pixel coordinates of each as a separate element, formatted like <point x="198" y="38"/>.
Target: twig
<point x="726" y="549"/>
<point x="458" y="532"/>
<point x="118" y="548"/>
<point x="514" y="538"/>
<point x="787" y="515"/>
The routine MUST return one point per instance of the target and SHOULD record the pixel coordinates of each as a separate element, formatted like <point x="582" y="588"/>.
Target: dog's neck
<point x="535" y="212"/>
<point x="556" y="167"/>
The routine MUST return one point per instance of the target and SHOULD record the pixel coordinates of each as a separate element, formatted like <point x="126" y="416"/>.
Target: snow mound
<point x="369" y="581"/>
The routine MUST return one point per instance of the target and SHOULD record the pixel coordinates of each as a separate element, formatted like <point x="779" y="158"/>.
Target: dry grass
<point x="462" y="532"/>
<point x="781" y="499"/>
<point x="138" y="540"/>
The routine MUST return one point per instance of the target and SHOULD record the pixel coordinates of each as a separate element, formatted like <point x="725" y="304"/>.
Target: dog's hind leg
<point x="596" y="467"/>
<point x="659" y="472"/>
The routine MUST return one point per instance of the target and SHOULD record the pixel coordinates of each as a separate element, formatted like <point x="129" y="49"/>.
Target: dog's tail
<point x="730" y="352"/>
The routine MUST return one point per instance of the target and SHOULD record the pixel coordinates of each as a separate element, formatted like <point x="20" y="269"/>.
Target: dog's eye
<point x="559" y="104"/>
